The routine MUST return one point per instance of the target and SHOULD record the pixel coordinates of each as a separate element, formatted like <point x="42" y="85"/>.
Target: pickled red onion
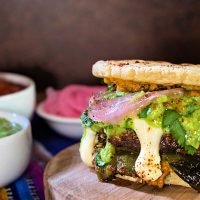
<point x="114" y="110"/>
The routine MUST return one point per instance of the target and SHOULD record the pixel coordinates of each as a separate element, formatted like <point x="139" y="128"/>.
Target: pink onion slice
<point x="114" y="110"/>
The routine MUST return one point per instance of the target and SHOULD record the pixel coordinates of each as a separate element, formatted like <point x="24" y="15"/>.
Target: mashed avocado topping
<point x="8" y="128"/>
<point x="109" y="129"/>
<point x="178" y="115"/>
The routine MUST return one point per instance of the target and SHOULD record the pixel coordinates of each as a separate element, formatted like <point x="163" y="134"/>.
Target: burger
<point x="145" y="127"/>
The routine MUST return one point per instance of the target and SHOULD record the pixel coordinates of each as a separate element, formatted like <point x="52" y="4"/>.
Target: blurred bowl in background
<point x="69" y="127"/>
<point x="15" y="149"/>
<point x="22" y="101"/>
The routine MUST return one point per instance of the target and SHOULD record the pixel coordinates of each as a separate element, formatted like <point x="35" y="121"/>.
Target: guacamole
<point x="178" y="115"/>
<point x="185" y="112"/>
<point x="8" y="128"/>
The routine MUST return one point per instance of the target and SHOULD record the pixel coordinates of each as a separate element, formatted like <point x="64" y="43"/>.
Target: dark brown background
<point x="57" y="41"/>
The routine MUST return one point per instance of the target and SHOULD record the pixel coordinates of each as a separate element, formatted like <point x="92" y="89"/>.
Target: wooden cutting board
<point x="67" y="178"/>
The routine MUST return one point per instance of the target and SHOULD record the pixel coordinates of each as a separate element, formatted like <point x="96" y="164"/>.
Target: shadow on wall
<point x="42" y="77"/>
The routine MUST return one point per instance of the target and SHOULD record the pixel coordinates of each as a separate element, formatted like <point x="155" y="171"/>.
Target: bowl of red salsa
<point x="17" y="94"/>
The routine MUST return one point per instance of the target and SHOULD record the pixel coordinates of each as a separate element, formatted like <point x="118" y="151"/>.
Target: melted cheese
<point x="87" y="146"/>
<point x="147" y="165"/>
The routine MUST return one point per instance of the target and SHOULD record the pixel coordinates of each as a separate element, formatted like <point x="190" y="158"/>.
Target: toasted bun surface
<point x="141" y="71"/>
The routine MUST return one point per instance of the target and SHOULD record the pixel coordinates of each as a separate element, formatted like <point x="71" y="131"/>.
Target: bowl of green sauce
<point x="8" y="128"/>
<point x="15" y="146"/>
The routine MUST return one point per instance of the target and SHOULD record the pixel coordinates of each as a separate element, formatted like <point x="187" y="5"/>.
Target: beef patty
<point x="129" y="141"/>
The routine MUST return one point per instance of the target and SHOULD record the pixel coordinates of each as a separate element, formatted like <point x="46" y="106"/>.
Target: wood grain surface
<point x="67" y="178"/>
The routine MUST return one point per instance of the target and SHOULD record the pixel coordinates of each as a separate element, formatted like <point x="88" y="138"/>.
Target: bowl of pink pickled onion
<point x="62" y="108"/>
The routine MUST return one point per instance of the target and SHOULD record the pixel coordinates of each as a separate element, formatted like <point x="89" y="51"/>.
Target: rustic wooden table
<point x="66" y="177"/>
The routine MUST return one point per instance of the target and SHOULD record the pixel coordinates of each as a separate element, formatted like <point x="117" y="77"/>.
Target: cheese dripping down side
<point x="87" y="146"/>
<point x="147" y="165"/>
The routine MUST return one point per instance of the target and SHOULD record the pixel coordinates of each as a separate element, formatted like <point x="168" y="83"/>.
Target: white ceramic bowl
<point x="22" y="102"/>
<point x="15" y="149"/>
<point x="70" y="127"/>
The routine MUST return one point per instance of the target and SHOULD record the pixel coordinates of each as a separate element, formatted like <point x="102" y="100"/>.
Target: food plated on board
<point x="145" y="127"/>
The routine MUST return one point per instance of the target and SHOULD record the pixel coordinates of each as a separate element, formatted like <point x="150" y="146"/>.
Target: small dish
<point x="21" y="102"/>
<point x="15" y="149"/>
<point x="69" y="127"/>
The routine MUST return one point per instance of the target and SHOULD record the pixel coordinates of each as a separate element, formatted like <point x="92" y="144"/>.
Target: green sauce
<point x="8" y="128"/>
